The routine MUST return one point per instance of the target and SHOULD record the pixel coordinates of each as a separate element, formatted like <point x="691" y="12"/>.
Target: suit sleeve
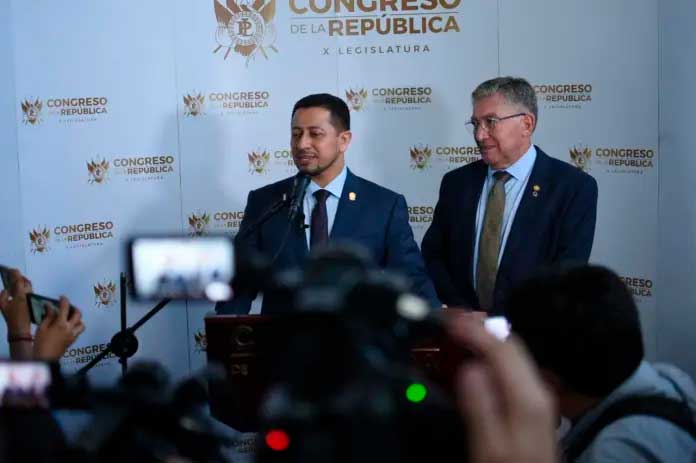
<point x="243" y="287"/>
<point x="403" y="254"/>
<point x="578" y="227"/>
<point x="436" y="250"/>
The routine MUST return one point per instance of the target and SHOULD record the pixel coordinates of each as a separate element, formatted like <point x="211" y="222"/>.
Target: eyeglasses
<point x="488" y="123"/>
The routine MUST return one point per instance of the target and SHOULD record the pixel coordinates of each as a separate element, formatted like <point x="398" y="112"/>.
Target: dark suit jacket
<point x="556" y="225"/>
<point x="376" y="219"/>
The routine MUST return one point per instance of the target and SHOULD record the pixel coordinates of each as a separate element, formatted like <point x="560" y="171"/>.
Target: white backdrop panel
<point x="185" y="116"/>
<point x="11" y="253"/>
<point x="677" y="246"/>
<point x="123" y="78"/>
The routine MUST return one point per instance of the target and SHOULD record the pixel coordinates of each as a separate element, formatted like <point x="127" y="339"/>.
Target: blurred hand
<point x="13" y="304"/>
<point x="452" y="314"/>
<point x="57" y="332"/>
<point x="509" y="414"/>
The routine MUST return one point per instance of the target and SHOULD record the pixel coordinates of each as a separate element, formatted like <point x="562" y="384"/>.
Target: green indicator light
<point x="416" y="392"/>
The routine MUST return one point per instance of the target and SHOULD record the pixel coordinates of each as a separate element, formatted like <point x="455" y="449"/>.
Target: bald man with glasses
<point x="500" y="219"/>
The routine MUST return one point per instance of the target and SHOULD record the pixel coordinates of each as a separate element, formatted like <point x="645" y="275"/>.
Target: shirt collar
<point x="335" y="187"/>
<point x="521" y="168"/>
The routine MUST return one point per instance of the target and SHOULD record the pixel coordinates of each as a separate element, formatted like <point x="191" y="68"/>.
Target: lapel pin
<point x="352" y="196"/>
<point x="535" y="190"/>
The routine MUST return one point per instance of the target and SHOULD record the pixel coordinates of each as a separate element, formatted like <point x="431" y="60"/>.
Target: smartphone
<point x="5" y="276"/>
<point x="181" y="267"/>
<point x="24" y="384"/>
<point x="39" y="307"/>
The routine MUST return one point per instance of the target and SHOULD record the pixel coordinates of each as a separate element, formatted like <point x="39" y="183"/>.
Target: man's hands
<point x="57" y="331"/>
<point x="509" y="415"/>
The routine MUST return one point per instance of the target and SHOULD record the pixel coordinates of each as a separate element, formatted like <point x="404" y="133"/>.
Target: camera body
<point x="341" y="371"/>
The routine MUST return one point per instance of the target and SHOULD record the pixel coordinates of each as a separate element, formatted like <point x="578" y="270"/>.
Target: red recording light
<point x="277" y="440"/>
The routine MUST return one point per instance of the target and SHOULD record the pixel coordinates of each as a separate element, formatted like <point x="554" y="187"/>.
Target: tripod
<point x="124" y="344"/>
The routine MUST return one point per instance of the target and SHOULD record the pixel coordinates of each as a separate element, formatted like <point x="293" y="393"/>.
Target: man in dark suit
<point x="338" y="207"/>
<point x="501" y="218"/>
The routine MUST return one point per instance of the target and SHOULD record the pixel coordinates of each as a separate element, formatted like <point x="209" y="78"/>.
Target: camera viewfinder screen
<point x="24" y="384"/>
<point x="182" y="267"/>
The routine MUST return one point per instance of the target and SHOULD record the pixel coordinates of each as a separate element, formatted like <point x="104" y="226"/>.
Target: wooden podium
<point x="243" y="345"/>
<point x="240" y="343"/>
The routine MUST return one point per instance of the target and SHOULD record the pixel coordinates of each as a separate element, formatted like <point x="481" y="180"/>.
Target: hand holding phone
<point x="39" y="307"/>
<point x="60" y="327"/>
<point x="5" y="276"/>
<point x="13" y="301"/>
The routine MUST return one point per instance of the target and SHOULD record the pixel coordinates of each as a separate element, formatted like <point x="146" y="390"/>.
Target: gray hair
<point x="515" y="90"/>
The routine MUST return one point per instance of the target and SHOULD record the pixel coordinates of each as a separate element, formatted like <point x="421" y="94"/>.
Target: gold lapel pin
<point x="352" y="196"/>
<point x="535" y="190"/>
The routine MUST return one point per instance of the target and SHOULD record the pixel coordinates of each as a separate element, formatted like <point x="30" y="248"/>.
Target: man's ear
<point x="529" y="123"/>
<point x="344" y="139"/>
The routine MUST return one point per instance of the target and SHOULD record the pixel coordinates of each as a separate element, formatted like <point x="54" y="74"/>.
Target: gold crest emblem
<point x="198" y="223"/>
<point x="420" y="157"/>
<point x="97" y="171"/>
<point x="193" y="104"/>
<point x="104" y="294"/>
<point x="32" y="111"/>
<point x="581" y="157"/>
<point x="201" y="341"/>
<point x="258" y="161"/>
<point x="357" y="99"/>
<point x="245" y="27"/>
<point x="39" y="240"/>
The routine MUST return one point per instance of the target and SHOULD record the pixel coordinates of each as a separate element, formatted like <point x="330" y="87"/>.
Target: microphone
<point x="297" y="195"/>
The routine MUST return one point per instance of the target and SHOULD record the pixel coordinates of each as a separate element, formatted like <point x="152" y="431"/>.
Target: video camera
<point x="343" y="382"/>
<point x="344" y="386"/>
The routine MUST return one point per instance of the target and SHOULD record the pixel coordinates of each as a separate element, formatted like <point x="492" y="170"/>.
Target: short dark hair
<point x="582" y="324"/>
<point x="340" y="115"/>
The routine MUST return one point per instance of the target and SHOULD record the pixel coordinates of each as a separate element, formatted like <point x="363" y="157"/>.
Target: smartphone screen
<point x="182" y="267"/>
<point x="498" y="327"/>
<point x="24" y="384"/>
<point x="5" y="276"/>
<point x="39" y="307"/>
